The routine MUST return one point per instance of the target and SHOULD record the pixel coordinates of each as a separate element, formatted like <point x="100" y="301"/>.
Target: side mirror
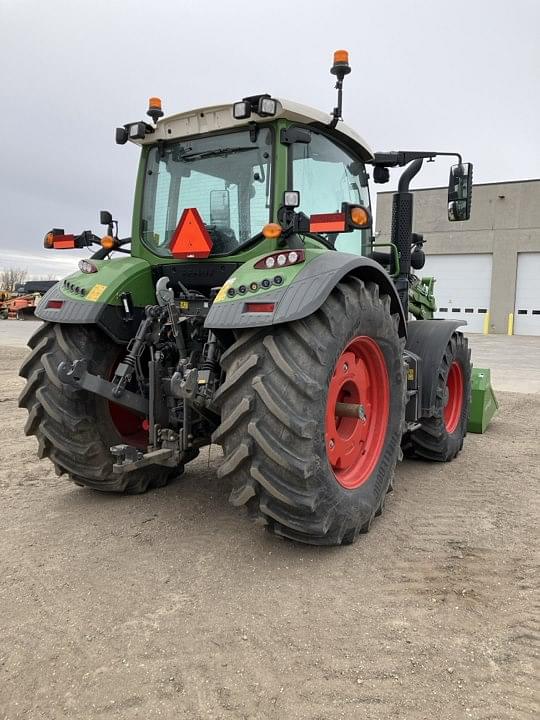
<point x="105" y="217"/>
<point x="460" y="192"/>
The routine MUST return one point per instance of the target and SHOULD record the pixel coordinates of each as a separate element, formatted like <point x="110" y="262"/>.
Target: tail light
<point x="57" y="240"/>
<point x="260" y="307"/>
<point x="281" y="259"/>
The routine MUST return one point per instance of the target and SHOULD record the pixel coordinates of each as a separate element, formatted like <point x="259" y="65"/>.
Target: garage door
<point x="527" y="310"/>
<point x="463" y="287"/>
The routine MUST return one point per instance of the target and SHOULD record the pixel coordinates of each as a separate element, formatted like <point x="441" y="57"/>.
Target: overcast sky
<point x="427" y="74"/>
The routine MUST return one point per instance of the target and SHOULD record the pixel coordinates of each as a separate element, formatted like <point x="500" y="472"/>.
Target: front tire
<point x="440" y="436"/>
<point x="278" y="421"/>
<point x="74" y="428"/>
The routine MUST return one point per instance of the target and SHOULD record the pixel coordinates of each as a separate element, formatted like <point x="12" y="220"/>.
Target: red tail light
<point x="259" y="307"/>
<point x="55" y="304"/>
<point x="64" y="242"/>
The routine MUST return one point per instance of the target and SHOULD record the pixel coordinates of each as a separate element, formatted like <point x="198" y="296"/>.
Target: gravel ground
<point x="174" y="605"/>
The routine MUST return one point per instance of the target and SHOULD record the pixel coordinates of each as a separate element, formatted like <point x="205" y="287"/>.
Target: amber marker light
<point x="108" y="242"/>
<point x="154" y="109"/>
<point x="272" y="230"/>
<point x="359" y="216"/>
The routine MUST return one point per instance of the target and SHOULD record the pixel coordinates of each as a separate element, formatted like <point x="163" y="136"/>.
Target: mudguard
<point x="95" y="298"/>
<point x="428" y="339"/>
<point x="304" y="295"/>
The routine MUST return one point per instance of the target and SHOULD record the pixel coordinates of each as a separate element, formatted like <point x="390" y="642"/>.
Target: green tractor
<point x="252" y="307"/>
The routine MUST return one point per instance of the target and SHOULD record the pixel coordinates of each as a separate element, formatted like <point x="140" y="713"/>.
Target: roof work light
<point x="262" y="105"/>
<point x="266" y="106"/>
<point x="241" y="110"/>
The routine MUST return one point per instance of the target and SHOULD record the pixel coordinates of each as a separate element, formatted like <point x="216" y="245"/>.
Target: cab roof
<point x="220" y="117"/>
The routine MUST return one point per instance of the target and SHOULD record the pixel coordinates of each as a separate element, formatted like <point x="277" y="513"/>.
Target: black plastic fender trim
<point x="307" y="293"/>
<point x="108" y="318"/>
<point x="428" y="339"/>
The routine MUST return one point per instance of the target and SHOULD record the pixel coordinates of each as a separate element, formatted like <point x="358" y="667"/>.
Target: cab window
<point x="227" y="177"/>
<point x="326" y="175"/>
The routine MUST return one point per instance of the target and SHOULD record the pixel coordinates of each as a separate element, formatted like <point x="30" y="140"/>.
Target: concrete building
<point x="488" y="268"/>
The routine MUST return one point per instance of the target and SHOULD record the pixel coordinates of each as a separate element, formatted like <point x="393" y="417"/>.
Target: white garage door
<point x="463" y="287"/>
<point x="527" y="310"/>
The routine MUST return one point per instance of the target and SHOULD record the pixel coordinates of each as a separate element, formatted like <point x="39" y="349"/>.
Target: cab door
<point x="326" y="175"/>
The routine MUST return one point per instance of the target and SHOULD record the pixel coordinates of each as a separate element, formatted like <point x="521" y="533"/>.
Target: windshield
<point x="226" y="177"/>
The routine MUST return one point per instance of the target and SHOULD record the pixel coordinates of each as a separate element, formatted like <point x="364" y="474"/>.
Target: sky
<point x="426" y="75"/>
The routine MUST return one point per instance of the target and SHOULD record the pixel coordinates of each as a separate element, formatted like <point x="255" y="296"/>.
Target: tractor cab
<point x="230" y="183"/>
<point x="235" y="163"/>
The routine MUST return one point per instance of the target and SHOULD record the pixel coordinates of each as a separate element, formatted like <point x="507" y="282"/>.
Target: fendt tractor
<point x="253" y="308"/>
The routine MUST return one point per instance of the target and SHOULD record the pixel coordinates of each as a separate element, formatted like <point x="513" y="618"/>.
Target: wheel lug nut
<point x="331" y="444"/>
<point x="345" y="367"/>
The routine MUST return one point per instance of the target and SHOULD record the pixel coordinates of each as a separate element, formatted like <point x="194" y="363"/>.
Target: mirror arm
<point x="457" y="155"/>
<point x="102" y="253"/>
<point x="404" y="157"/>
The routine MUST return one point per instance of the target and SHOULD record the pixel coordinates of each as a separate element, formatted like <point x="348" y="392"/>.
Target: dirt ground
<point x="174" y="605"/>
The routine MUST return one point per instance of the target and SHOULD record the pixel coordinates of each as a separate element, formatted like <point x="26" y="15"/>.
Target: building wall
<point x="505" y="220"/>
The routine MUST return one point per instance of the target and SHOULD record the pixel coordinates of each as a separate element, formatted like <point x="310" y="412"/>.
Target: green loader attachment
<point x="483" y="403"/>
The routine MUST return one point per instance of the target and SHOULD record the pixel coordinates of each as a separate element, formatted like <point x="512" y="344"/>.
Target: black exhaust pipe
<point x="401" y="233"/>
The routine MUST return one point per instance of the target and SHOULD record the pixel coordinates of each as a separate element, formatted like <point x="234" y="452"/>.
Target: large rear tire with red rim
<point x="440" y="436"/>
<point x="302" y="467"/>
<point x="74" y="428"/>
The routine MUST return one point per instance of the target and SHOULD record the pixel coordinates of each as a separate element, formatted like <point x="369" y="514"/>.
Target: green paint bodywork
<point x="118" y="275"/>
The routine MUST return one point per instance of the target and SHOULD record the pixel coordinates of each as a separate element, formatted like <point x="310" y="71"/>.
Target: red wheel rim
<point x="454" y="400"/>
<point x="132" y="428"/>
<point x="354" y="445"/>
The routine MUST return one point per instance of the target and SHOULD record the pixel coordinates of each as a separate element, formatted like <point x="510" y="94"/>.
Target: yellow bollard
<point x="511" y="323"/>
<point x="486" y="324"/>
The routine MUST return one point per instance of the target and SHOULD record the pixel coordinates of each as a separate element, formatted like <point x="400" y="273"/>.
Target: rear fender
<point x="428" y="339"/>
<point x="305" y="294"/>
<point x="96" y="298"/>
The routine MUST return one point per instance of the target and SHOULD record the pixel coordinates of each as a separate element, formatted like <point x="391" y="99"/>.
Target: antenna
<point x="340" y="68"/>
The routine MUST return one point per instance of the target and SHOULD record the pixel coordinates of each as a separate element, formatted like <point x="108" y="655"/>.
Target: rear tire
<point x="74" y="428"/>
<point x="274" y="407"/>
<point x="440" y="437"/>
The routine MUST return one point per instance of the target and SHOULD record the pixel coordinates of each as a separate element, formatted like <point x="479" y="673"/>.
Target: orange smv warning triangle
<point x="191" y="238"/>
